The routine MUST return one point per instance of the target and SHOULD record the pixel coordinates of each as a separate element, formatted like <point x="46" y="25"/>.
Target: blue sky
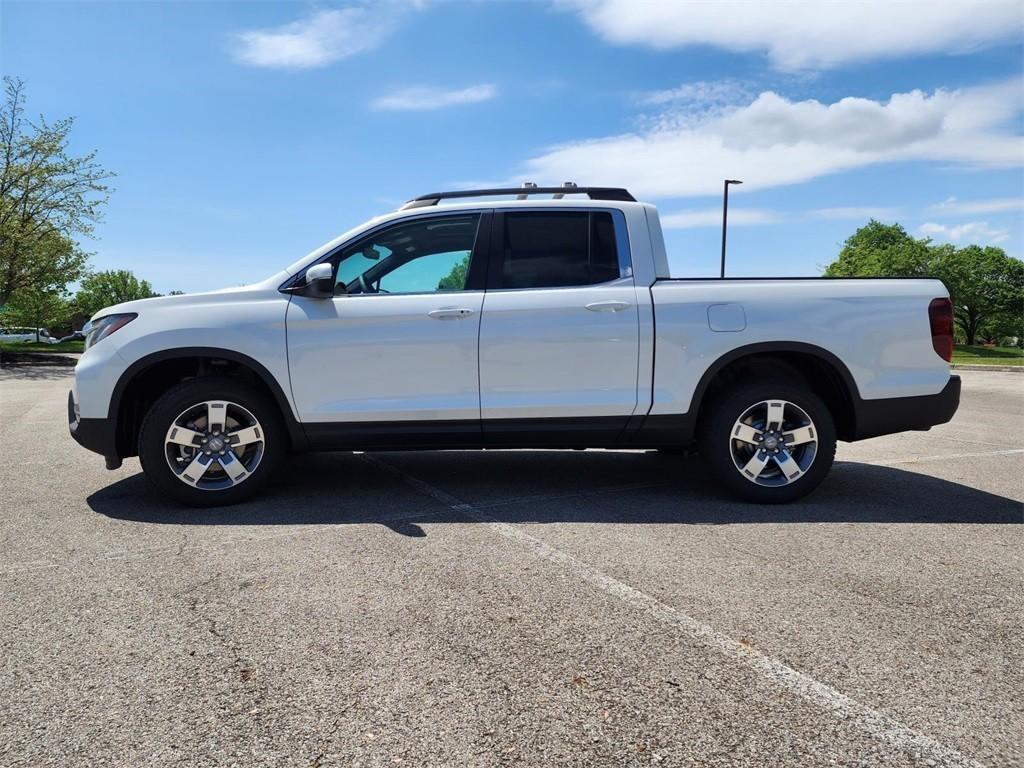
<point x="246" y="134"/>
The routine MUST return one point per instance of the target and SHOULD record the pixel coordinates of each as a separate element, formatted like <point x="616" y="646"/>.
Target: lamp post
<point x="725" y="215"/>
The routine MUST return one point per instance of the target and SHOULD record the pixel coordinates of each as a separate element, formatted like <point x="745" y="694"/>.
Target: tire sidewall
<point x="172" y="403"/>
<point x="715" y="440"/>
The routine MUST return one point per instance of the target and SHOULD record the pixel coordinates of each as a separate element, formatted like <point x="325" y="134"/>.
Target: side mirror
<point x="319" y="281"/>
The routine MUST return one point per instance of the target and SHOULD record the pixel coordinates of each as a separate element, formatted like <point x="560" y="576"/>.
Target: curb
<point x="999" y="368"/>
<point x="68" y="359"/>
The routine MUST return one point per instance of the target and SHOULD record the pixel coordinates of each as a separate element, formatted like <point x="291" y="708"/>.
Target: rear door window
<point x="558" y="249"/>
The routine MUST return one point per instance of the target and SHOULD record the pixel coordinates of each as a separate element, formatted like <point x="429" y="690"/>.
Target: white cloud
<point x="690" y="104"/>
<point x="701" y="93"/>
<point x="423" y="98"/>
<point x="800" y="34"/>
<point x="712" y="217"/>
<point x="854" y="212"/>
<point x="774" y="141"/>
<point x="320" y="39"/>
<point x="952" y="206"/>
<point x="975" y="231"/>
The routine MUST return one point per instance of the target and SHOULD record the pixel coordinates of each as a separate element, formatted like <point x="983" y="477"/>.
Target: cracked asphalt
<point x="520" y="608"/>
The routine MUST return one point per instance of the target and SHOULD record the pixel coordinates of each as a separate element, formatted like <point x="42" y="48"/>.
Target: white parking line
<point x="876" y="724"/>
<point x="289" y="529"/>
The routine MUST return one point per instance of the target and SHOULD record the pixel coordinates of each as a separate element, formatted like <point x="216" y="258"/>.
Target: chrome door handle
<point x="608" y="306"/>
<point x="450" y="313"/>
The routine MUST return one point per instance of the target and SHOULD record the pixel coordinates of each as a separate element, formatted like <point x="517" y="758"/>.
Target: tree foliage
<point x="878" y="249"/>
<point x="986" y="285"/>
<point x="36" y="309"/>
<point x="104" y="289"/>
<point x="456" y="279"/>
<point x="987" y="288"/>
<point x="48" y="197"/>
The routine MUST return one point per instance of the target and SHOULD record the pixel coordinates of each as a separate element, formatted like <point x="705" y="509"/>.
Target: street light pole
<point x="725" y="216"/>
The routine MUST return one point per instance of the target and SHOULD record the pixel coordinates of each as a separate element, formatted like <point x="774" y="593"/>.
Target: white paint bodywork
<point x="379" y="357"/>
<point x="878" y="328"/>
<point x="544" y="354"/>
<point x="248" y="320"/>
<point x="534" y="353"/>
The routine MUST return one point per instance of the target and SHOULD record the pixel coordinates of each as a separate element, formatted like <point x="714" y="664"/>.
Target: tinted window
<point x="604" y="260"/>
<point x="551" y="250"/>
<point x="436" y="272"/>
<point x="418" y="256"/>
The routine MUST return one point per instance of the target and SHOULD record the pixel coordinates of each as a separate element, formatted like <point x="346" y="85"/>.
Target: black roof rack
<point x="521" y="193"/>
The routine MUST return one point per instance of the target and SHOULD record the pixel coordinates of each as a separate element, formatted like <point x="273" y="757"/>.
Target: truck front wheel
<point x="211" y="441"/>
<point x="770" y="441"/>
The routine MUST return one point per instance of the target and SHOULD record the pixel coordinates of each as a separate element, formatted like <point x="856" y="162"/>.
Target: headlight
<point x="101" y="327"/>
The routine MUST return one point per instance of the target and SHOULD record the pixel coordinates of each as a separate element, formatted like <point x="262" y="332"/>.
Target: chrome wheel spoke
<point x="194" y="472"/>
<point x="776" y="413"/>
<point x="756" y="465"/>
<point x="245" y="436"/>
<point x="216" y="416"/>
<point x="233" y="467"/>
<point x="800" y="436"/>
<point x="746" y="433"/>
<point x="184" y="436"/>
<point x="789" y="467"/>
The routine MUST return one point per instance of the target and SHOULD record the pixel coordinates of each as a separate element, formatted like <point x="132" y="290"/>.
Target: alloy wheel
<point x="773" y="443"/>
<point x="214" y="445"/>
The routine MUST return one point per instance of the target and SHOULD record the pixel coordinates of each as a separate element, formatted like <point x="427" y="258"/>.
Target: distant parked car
<point x="76" y="336"/>
<point x="26" y="334"/>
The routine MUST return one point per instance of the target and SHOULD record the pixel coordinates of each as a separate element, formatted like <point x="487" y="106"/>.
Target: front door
<point x="398" y="342"/>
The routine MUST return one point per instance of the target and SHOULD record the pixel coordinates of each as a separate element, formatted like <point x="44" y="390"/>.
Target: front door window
<point x="428" y="255"/>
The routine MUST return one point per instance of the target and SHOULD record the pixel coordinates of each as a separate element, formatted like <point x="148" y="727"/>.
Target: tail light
<point x="940" y="317"/>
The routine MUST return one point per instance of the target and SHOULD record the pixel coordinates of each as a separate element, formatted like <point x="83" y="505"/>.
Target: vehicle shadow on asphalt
<point x="556" y="487"/>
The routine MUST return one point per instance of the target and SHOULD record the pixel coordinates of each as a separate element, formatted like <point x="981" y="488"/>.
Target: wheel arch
<point x="148" y="377"/>
<point x="825" y="373"/>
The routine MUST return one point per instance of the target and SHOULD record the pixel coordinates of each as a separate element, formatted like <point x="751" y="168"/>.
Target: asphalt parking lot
<point x="526" y="608"/>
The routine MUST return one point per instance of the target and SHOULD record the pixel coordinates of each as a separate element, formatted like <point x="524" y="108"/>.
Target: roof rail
<point x="522" y="193"/>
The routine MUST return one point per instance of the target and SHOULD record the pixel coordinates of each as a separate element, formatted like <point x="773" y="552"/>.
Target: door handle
<point x="450" y="313"/>
<point x="608" y="306"/>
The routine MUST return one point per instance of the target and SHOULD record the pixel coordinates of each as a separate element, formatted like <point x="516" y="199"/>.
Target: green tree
<point x="987" y="288"/>
<point x="37" y="309"/>
<point x="47" y="198"/>
<point x="881" y="250"/>
<point x="456" y="279"/>
<point x="104" y="289"/>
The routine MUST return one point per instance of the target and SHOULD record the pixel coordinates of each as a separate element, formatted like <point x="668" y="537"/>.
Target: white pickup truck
<point x="502" y="320"/>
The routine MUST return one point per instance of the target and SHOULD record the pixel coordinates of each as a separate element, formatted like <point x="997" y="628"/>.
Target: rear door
<point x="559" y="337"/>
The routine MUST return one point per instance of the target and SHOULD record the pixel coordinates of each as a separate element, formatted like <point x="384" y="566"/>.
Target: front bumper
<point x="98" y="435"/>
<point x="901" y="414"/>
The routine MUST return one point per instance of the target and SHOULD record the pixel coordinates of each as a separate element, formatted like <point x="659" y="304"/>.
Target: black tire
<point x="178" y="399"/>
<point x="716" y="445"/>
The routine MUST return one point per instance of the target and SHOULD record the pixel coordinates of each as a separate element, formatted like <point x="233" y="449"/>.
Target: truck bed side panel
<point x="878" y="328"/>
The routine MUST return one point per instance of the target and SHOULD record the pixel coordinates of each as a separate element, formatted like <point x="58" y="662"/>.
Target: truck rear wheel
<point x="211" y="441"/>
<point x="770" y="441"/>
